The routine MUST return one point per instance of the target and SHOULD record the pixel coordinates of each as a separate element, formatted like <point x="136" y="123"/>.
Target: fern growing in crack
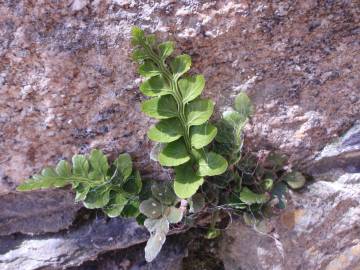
<point x="253" y="185"/>
<point x="183" y="127"/>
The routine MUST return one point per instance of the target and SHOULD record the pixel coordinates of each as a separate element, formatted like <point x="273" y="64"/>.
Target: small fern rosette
<point x="183" y="116"/>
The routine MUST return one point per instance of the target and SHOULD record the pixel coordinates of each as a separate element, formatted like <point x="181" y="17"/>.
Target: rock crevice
<point x="68" y="85"/>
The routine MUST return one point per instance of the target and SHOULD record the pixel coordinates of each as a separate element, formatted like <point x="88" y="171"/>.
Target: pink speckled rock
<point x="67" y="83"/>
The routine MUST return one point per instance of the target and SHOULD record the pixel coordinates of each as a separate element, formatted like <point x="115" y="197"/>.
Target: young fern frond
<point x="183" y="116"/>
<point x="230" y="136"/>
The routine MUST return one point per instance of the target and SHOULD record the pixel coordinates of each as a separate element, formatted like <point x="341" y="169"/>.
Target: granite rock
<point x="67" y="85"/>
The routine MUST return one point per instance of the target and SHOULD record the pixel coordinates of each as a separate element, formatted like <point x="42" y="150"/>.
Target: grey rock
<point x="339" y="157"/>
<point x="318" y="230"/>
<point x="69" y="248"/>
<point x="346" y="144"/>
<point x="170" y="257"/>
<point x="37" y="212"/>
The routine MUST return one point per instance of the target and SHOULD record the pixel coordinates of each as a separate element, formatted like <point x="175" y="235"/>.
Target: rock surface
<point x="70" y="248"/>
<point x="320" y="227"/>
<point x="37" y="212"/>
<point x="68" y="85"/>
<point x="171" y="257"/>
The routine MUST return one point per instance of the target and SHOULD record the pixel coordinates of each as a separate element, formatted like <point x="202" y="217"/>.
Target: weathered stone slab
<point x="37" y="212"/>
<point x="69" y="248"/>
<point x="170" y="257"/>
<point x="319" y="229"/>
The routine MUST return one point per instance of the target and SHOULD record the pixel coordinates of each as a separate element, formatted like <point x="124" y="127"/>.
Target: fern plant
<point x="161" y="210"/>
<point x="230" y="136"/>
<point x="245" y="185"/>
<point x="255" y="183"/>
<point x="183" y="127"/>
<point x="114" y="189"/>
<point x="260" y="190"/>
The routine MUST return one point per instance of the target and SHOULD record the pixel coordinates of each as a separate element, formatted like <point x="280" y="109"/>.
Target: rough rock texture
<point x="37" y="212"/>
<point x="180" y="252"/>
<point x="171" y="257"/>
<point x="67" y="84"/>
<point x="320" y="227"/>
<point x="69" y="248"/>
